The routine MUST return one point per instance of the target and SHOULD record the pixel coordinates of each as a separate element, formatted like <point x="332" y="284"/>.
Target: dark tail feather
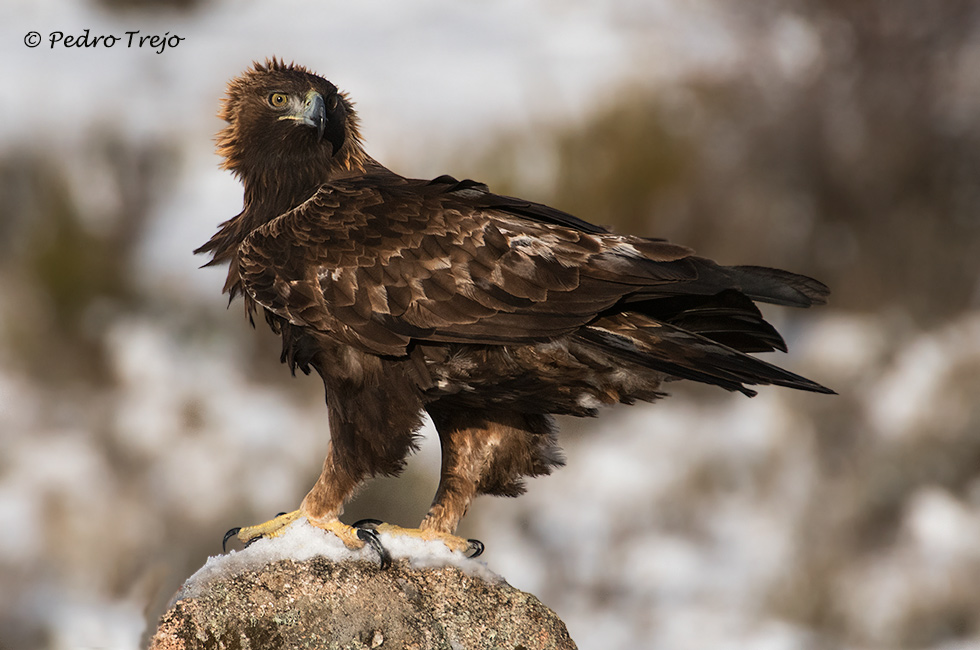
<point x="728" y="317"/>
<point x="779" y="287"/>
<point x="686" y="355"/>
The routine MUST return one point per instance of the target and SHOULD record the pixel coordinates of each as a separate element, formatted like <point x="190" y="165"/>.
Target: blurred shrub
<point x="68" y="235"/>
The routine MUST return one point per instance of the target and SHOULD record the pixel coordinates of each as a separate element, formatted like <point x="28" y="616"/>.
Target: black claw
<point x="281" y="514"/>
<point x="477" y="547"/>
<point x="369" y="524"/>
<point x="231" y="533"/>
<point x="371" y="537"/>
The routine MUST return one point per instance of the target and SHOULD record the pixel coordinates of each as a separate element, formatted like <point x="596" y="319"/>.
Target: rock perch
<point x="245" y="602"/>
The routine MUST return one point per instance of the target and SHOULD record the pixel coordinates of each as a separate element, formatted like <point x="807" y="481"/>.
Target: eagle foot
<point x="271" y="528"/>
<point x="352" y="537"/>
<point x="469" y="547"/>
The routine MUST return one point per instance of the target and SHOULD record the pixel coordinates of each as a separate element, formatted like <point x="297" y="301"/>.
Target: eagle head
<point x="283" y="117"/>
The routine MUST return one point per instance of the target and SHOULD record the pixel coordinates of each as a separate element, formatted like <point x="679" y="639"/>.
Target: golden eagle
<point x="490" y="313"/>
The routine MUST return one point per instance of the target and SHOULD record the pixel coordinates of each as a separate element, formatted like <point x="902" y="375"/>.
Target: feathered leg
<point x="483" y="452"/>
<point x="322" y="507"/>
<point x="374" y="414"/>
<point x="457" y="487"/>
<point x="487" y="452"/>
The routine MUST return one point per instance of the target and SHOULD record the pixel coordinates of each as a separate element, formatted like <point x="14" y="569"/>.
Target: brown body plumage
<point x="488" y="312"/>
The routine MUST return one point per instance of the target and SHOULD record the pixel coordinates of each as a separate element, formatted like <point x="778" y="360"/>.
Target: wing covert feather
<point x="380" y="263"/>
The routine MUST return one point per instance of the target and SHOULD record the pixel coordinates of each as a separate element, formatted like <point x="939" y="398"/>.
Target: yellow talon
<point x="452" y="542"/>
<point x="347" y="534"/>
<point x="276" y="527"/>
<point x="271" y="528"/>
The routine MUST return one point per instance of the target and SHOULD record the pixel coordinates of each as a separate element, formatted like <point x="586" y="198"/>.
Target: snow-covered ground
<point x="705" y="521"/>
<point x="701" y="521"/>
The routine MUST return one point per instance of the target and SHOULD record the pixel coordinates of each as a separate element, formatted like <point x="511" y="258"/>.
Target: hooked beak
<point x="315" y="113"/>
<point x="312" y="113"/>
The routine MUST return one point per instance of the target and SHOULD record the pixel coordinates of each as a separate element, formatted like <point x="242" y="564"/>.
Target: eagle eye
<point x="332" y="103"/>
<point x="278" y="100"/>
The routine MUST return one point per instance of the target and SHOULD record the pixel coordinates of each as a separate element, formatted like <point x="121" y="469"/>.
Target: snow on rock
<point x="300" y="541"/>
<point x="320" y="604"/>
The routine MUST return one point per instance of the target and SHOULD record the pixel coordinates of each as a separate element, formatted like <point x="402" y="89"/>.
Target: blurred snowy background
<point x="140" y="419"/>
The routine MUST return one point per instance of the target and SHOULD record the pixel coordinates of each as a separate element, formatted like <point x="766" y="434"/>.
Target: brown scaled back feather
<point x="490" y="312"/>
